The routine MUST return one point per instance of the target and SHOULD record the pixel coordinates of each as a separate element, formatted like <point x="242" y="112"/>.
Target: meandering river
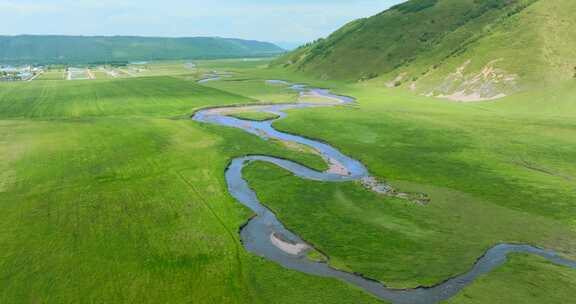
<point x="266" y="236"/>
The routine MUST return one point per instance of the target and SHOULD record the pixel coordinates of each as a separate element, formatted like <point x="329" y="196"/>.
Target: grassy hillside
<point x="75" y="49"/>
<point x="460" y="49"/>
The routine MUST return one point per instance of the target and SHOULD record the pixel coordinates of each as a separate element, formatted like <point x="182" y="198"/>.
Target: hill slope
<point x="460" y="49"/>
<point x="78" y="49"/>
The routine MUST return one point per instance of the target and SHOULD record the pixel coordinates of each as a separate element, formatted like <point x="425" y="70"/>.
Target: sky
<point x="292" y="21"/>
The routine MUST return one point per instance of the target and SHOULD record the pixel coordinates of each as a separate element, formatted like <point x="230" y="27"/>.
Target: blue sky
<point x="270" y="20"/>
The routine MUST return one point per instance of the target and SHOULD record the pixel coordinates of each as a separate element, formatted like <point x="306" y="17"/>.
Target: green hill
<point x="79" y="49"/>
<point x="460" y="49"/>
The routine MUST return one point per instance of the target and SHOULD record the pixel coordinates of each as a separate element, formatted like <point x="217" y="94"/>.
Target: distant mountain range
<point x="81" y="49"/>
<point x="459" y="49"/>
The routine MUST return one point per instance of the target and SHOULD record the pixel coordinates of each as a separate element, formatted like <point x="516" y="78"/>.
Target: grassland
<point x="515" y="283"/>
<point x="513" y="165"/>
<point x="255" y="116"/>
<point x="52" y="75"/>
<point x="496" y="172"/>
<point x="110" y="194"/>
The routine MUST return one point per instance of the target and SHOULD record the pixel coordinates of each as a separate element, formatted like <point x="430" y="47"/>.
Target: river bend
<point x="264" y="235"/>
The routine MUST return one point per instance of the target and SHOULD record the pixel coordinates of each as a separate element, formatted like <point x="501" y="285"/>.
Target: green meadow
<point x="109" y="193"/>
<point x="524" y="279"/>
<point x="53" y="75"/>
<point x="254" y="116"/>
<point x="496" y="172"/>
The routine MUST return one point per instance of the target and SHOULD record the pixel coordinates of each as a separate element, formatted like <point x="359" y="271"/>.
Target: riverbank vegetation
<point x="255" y="116"/>
<point x="496" y="172"/>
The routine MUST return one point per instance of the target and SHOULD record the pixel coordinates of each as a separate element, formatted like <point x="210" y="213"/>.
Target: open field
<point x="52" y="75"/>
<point x="103" y="186"/>
<point x="496" y="172"/>
<point x="110" y="194"/>
<point x="516" y="166"/>
<point x="515" y="284"/>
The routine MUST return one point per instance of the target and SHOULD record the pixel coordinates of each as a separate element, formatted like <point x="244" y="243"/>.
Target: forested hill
<point x="80" y="49"/>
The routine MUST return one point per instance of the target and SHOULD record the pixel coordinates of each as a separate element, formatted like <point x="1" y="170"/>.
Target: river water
<point x="257" y="234"/>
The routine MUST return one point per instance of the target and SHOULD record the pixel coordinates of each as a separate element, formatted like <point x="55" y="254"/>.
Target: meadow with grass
<point x="496" y="172"/>
<point x="112" y="194"/>
<point x="254" y="116"/>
